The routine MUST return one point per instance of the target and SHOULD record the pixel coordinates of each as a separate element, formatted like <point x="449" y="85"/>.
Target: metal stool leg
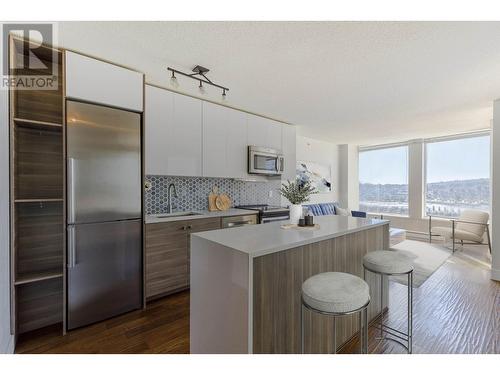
<point x="410" y="311"/>
<point x="334" y="335"/>
<point x="366" y="330"/>
<point x="302" y="328"/>
<point x="381" y="305"/>
<point x="363" y="331"/>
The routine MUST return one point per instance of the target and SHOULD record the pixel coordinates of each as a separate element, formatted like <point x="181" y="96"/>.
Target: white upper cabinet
<point x="224" y="142"/>
<point x="158" y="113"/>
<point x="289" y="151"/>
<point x="185" y="136"/>
<point x="100" y="82"/>
<point x="173" y="133"/>
<point x="184" y="146"/>
<point x="264" y="132"/>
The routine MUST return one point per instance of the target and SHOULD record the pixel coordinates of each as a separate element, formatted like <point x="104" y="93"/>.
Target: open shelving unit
<point x="37" y="178"/>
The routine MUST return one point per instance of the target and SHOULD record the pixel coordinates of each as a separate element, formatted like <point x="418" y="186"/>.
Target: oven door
<point x="269" y="217"/>
<point x="266" y="220"/>
<point x="264" y="163"/>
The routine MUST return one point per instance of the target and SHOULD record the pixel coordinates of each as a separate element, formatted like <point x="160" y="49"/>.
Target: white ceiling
<point x="346" y="82"/>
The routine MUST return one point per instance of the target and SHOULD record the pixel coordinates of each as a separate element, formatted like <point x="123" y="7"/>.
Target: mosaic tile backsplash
<point x="192" y="192"/>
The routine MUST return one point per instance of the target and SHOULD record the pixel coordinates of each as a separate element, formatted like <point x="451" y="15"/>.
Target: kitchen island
<point x="246" y="284"/>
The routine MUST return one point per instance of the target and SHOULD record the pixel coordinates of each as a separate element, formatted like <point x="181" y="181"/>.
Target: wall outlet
<point x="270" y="193"/>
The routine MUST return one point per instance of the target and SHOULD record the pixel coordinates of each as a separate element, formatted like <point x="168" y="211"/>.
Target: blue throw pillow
<point x="327" y="208"/>
<point x="358" y="214"/>
<point x="314" y="209"/>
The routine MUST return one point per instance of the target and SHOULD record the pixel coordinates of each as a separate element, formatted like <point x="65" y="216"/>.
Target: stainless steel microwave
<point x="265" y="161"/>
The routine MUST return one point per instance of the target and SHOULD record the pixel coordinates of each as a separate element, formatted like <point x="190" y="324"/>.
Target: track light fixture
<point x="199" y="75"/>
<point x="173" y="80"/>
<point x="201" y="88"/>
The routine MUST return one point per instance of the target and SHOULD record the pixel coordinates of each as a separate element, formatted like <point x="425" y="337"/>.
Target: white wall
<point x="6" y="339"/>
<point x="325" y="153"/>
<point x="495" y="187"/>
<point x="349" y="176"/>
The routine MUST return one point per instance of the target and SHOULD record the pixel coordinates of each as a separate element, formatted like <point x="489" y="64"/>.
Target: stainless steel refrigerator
<point x="104" y="212"/>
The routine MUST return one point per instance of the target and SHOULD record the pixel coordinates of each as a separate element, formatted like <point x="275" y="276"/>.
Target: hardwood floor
<point x="457" y="310"/>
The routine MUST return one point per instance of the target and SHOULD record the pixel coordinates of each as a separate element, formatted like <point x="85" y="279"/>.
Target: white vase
<point x="295" y="213"/>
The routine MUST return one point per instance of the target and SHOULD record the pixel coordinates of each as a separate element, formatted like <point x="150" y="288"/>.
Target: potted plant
<point x="297" y="192"/>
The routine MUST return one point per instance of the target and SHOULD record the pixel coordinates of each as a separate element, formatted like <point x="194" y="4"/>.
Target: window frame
<point x="454" y="137"/>
<point x="383" y="147"/>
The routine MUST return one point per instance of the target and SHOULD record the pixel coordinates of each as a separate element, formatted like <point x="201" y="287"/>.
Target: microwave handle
<point x="282" y="164"/>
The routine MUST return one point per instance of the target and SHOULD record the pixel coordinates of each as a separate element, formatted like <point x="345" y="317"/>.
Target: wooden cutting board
<point x="223" y="202"/>
<point x="212" y="197"/>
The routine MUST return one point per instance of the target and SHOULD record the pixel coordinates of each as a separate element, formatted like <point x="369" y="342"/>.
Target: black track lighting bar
<point x="198" y="76"/>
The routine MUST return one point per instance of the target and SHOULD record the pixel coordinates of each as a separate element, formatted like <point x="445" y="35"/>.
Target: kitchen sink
<point x="176" y="214"/>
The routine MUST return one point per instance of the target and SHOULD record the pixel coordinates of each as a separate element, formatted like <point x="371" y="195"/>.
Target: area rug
<point x="426" y="259"/>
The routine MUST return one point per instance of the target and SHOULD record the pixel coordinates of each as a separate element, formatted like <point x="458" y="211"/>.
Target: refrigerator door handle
<point x="71" y="247"/>
<point x="71" y="190"/>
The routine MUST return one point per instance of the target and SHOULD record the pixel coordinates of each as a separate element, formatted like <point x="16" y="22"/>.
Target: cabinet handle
<point x="71" y="190"/>
<point x="189" y="227"/>
<point x="184" y="227"/>
<point x="71" y="247"/>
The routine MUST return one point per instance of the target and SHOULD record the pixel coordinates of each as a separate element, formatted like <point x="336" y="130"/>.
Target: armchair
<point x="470" y="227"/>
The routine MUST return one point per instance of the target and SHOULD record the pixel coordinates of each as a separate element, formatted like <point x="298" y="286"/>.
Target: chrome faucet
<point x="169" y="196"/>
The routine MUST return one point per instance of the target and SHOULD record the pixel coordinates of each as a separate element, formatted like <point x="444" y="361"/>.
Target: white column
<point x="349" y="176"/>
<point x="495" y="190"/>
<point x="416" y="178"/>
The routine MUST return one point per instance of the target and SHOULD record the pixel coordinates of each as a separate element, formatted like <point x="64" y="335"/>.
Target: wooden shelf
<point x="38" y="165"/>
<point x="39" y="240"/>
<point x="39" y="304"/>
<point x="41" y="125"/>
<point x="37" y="181"/>
<point x="38" y="277"/>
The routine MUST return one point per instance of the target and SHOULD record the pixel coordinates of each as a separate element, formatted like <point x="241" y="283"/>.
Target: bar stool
<point x="337" y="294"/>
<point x="389" y="263"/>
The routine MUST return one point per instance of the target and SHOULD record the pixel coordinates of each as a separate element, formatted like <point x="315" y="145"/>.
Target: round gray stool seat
<point x="335" y="292"/>
<point x="387" y="262"/>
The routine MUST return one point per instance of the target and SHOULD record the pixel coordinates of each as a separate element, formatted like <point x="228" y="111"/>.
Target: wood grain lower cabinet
<point x="167" y="254"/>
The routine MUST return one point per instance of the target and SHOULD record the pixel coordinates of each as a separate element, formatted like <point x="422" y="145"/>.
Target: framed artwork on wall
<point x="319" y="175"/>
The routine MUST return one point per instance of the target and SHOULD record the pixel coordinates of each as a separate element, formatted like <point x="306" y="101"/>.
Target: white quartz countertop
<point x="258" y="240"/>
<point x="203" y="214"/>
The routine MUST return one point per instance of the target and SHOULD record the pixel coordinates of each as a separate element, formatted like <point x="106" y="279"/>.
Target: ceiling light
<point x="201" y="88"/>
<point x="173" y="80"/>
<point x="199" y="75"/>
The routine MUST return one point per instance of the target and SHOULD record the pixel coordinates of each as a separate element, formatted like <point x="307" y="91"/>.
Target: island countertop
<point x="258" y="240"/>
<point x="247" y="283"/>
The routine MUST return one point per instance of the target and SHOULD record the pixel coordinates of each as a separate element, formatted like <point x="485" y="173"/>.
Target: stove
<point x="267" y="213"/>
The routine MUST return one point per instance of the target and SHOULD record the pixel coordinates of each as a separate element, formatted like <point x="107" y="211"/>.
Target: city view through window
<point x="383" y="180"/>
<point x="457" y="177"/>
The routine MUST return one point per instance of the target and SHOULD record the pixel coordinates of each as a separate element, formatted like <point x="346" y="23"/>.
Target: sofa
<point x="333" y="208"/>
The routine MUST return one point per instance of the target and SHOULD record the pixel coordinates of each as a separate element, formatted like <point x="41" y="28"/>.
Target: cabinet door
<point x="264" y="132"/>
<point x="183" y="145"/>
<point x="166" y="258"/>
<point x="199" y="225"/>
<point x="159" y="110"/>
<point x="100" y="82"/>
<point x="289" y="152"/>
<point x="274" y="135"/>
<point x="224" y="142"/>
<point x="214" y="140"/>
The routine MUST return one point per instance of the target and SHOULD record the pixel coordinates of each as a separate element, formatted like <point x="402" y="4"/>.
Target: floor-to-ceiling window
<point x="457" y="175"/>
<point x="383" y="180"/>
